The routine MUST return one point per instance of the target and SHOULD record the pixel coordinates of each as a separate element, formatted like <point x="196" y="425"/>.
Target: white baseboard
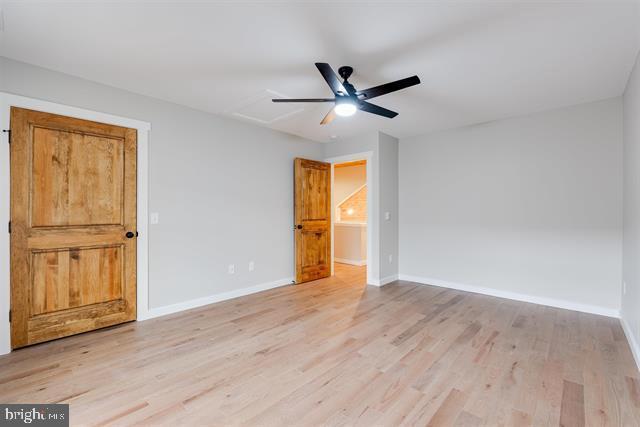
<point x="199" y="302"/>
<point x="383" y="281"/>
<point x="631" y="339"/>
<point x="551" y="302"/>
<point x="358" y="262"/>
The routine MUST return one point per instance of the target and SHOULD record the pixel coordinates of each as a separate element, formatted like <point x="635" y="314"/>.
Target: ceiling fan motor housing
<point x="345" y="71"/>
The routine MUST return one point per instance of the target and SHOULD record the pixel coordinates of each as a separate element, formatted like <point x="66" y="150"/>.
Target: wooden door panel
<point x="80" y="179"/>
<point x="314" y="193"/>
<point x="313" y="219"/>
<point x="313" y="244"/>
<point x="71" y="278"/>
<point x="315" y="263"/>
<point x="73" y="198"/>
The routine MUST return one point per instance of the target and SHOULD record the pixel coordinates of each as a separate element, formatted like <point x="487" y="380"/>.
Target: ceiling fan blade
<point x="375" y="109"/>
<point x="372" y="92"/>
<point x="303" y="100"/>
<point x="331" y="78"/>
<point x="329" y="117"/>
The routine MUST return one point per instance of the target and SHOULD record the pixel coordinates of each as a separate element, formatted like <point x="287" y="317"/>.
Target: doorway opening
<point x="350" y="216"/>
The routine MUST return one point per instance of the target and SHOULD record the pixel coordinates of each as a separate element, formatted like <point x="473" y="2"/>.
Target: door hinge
<point x="9" y="315"/>
<point x="9" y="227"/>
<point x="8" y="132"/>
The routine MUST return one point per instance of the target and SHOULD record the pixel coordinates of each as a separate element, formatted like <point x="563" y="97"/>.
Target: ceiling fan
<point x="347" y="99"/>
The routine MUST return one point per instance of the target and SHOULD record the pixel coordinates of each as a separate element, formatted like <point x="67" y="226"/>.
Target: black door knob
<point x="130" y="234"/>
<point x="299" y="227"/>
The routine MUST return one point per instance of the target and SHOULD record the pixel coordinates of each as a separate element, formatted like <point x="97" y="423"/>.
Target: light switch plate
<point x="232" y="269"/>
<point x="252" y="266"/>
<point x="154" y="217"/>
<point x="390" y="259"/>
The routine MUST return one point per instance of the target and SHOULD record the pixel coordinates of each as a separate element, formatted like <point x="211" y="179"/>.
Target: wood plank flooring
<point x="336" y="352"/>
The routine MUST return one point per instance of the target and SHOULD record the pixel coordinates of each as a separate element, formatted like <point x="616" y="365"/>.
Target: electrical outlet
<point x="624" y="287"/>
<point x="390" y="259"/>
<point x="252" y="266"/>
<point x="387" y="216"/>
<point x="232" y="269"/>
<point x="154" y="217"/>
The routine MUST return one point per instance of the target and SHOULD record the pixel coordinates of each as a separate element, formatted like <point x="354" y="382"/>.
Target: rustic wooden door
<point x="73" y="226"/>
<point x="312" y="219"/>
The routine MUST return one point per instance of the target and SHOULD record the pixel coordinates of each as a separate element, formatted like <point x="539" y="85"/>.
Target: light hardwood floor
<point x="336" y="352"/>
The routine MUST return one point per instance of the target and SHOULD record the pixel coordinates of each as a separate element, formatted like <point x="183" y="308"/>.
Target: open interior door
<point x="73" y="226"/>
<point x="312" y="214"/>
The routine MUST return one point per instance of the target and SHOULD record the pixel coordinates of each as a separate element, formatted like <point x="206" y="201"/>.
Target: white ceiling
<point x="478" y="61"/>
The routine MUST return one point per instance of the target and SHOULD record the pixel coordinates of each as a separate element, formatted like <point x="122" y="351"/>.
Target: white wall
<point x="630" y="312"/>
<point x="528" y="206"/>
<point x="350" y="243"/>
<point x="388" y="152"/>
<point x="207" y="175"/>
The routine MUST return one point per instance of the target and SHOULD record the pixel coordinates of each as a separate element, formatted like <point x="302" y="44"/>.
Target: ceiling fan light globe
<point x="345" y="109"/>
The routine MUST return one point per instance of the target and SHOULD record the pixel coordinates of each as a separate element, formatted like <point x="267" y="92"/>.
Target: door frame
<point x="371" y="192"/>
<point x="7" y="100"/>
